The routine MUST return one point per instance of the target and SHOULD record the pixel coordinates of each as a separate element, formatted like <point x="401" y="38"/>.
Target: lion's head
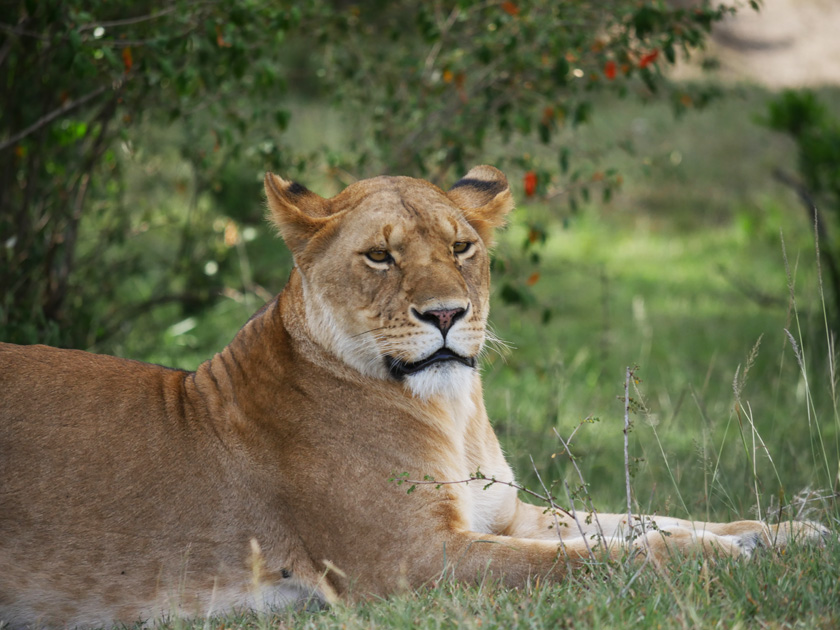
<point x="395" y="272"/>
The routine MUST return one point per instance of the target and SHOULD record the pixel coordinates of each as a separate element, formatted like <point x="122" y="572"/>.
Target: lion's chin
<point x="451" y="380"/>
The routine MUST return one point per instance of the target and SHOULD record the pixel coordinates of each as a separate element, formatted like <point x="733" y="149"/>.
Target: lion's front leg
<point x="532" y="521"/>
<point x="660" y="536"/>
<point x="472" y="556"/>
<point x="664" y="536"/>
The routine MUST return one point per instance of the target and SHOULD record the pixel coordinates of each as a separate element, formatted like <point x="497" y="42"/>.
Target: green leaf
<point x="75" y="39"/>
<point x="582" y="113"/>
<point x="564" y="160"/>
<point x="561" y="71"/>
<point x="282" y="117"/>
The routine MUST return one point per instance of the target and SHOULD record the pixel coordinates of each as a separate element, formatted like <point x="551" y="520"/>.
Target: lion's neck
<point x="296" y="319"/>
<point x="456" y="411"/>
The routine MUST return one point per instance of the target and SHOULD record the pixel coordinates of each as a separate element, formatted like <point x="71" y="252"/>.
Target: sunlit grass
<point x="669" y="303"/>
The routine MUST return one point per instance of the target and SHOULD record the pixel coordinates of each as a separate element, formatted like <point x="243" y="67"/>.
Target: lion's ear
<point x="297" y="212"/>
<point x="484" y="196"/>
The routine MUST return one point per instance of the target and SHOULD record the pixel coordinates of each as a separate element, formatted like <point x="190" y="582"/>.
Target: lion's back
<point x="101" y="463"/>
<point x="54" y="400"/>
<point x="71" y="416"/>
<point x="75" y="425"/>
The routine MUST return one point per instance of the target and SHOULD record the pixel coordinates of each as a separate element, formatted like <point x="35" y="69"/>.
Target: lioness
<point x="131" y="491"/>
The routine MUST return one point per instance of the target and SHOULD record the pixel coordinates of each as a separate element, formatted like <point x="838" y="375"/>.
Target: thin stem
<point x="577" y="522"/>
<point x="48" y="118"/>
<point x="627" y="375"/>
<point x="128" y="21"/>
<point x="580" y="476"/>
<point x="489" y="482"/>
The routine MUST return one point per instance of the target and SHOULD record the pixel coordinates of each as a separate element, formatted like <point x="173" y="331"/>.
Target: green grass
<point x="662" y="303"/>
<point x="682" y="275"/>
<point x="800" y="589"/>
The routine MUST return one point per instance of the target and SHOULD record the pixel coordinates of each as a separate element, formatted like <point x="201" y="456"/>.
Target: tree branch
<point x="116" y="319"/>
<point x="127" y="21"/>
<point x="4" y="51"/>
<point x="820" y="232"/>
<point x="48" y="118"/>
<point x="16" y="30"/>
<point x="59" y="273"/>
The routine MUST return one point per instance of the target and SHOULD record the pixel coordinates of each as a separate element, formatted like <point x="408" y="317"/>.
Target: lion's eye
<point x="461" y="247"/>
<point x="379" y="256"/>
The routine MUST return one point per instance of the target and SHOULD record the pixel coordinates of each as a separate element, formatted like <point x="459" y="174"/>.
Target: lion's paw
<point x="752" y="535"/>
<point x="796" y="531"/>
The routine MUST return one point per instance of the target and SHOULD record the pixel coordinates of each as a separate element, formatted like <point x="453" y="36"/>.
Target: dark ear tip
<point x="486" y="180"/>
<point x="282" y="187"/>
<point x="296" y="189"/>
<point x="481" y="186"/>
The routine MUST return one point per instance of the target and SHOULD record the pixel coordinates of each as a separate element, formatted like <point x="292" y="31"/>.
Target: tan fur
<point x="131" y="491"/>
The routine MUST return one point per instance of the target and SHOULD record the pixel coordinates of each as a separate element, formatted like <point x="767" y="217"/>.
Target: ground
<point x="787" y="44"/>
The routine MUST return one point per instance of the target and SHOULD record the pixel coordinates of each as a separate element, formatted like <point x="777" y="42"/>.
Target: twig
<point x="48" y="118"/>
<point x="141" y="308"/>
<point x="627" y="375"/>
<point x="577" y="522"/>
<point x="17" y="30"/>
<point x="59" y="273"/>
<point x="431" y="57"/>
<point x="592" y="509"/>
<point x="750" y="291"/>
<point x="489" y="482"/>
<point x="128" y="21"/>
<point x="554" y="507"/>
<point x="4" y="51"/>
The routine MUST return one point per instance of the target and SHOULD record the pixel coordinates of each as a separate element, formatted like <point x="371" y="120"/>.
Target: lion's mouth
<point x="400" y="369"/>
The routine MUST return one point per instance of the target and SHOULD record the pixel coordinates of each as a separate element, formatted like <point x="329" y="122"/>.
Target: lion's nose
<point x="443" y="319"/>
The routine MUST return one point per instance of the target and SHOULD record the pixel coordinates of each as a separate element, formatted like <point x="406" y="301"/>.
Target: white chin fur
<point x="451" y="380"/>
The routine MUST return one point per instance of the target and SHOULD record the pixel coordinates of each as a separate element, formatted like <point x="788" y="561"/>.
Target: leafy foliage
<point x="447" y="77"/>
<point x="78" y="85"/>
<point x="429" y="87"/>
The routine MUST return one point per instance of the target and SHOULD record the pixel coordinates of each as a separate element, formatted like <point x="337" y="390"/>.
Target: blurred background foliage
<point x="199" y="97"/>
<point x="134" y="136"/>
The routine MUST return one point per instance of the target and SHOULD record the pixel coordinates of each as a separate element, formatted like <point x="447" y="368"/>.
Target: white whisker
<point x="496" y="344"/>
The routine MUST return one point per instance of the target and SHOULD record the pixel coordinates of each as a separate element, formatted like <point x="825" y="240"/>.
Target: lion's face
<point x="401" y="288"/>
<point x="396" y="273"/>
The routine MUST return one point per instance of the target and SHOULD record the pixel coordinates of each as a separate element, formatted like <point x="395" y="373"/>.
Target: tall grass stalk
<point x="627" y="376"/>
<point x="799" y="353"/>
